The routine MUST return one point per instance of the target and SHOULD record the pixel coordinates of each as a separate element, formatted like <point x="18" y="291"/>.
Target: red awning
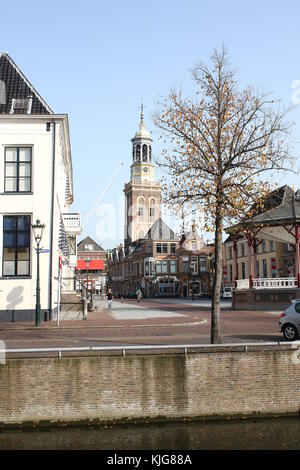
<point x="95" y="264"/>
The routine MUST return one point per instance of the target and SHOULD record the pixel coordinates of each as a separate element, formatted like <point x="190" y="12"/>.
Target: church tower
<point x="142" y="193"/>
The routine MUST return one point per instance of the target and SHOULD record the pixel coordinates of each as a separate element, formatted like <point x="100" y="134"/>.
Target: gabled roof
<point x="89" y="241"/>
<point x="282" y="206"/>
<point x="229" y="239"/>
<point x="160" y="231"/>
<point x="136" y="248"/>
<point x="14" y="85"/>
<point x="276" y="198"/>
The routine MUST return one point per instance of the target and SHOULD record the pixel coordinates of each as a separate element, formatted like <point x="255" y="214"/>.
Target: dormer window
<point x="88" y="247"/>
<point x="2" y="93"/>
<point x="21" y="105"/>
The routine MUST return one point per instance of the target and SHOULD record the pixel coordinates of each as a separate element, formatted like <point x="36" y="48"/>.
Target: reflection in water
<point x="268" y="433"/>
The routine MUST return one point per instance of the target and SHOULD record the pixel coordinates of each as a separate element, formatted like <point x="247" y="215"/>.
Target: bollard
<point x="85" y="308"/>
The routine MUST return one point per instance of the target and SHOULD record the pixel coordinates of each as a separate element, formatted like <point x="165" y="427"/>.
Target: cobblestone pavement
<point x="150" y="322"/>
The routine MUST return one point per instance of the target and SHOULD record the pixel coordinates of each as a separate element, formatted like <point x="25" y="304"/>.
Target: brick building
<point x="153" y="258"/>
<point x="194" y="264"/>
<point x="91" y="266"/>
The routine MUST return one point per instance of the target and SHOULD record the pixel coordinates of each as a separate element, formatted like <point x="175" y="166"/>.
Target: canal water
<point x="268" y="433"/>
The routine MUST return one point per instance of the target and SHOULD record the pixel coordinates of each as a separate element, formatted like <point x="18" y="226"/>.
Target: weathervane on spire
<point x="142" y="111"/>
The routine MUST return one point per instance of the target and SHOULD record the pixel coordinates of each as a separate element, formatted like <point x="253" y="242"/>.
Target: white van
<point x="227" y="293"/>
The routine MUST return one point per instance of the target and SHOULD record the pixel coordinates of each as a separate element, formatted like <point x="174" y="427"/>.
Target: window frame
<point x="165" y="266"/>
<point x="173" y="262"/>
<point x="165" y="248"/>
<point x="17" y="177"/>
<point x="173" y="248"/>
<point x="202" y="264"/>
<point x="16" y="246"/>
<point x="158" y="263"/>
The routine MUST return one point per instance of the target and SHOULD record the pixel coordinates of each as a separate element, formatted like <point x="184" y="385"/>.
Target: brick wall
<point x="149" y="386"/>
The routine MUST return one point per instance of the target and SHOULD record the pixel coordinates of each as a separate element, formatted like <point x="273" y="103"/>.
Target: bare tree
<point x="218" y="146"/>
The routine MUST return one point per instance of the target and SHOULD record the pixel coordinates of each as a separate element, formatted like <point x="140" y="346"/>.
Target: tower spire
<point x="142" y="124"/>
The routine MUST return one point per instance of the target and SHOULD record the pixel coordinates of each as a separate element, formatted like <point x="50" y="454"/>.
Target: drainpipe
<point x="297" y="260"/>
<point x="51" y="221"/>
<point x="235" y="262"/>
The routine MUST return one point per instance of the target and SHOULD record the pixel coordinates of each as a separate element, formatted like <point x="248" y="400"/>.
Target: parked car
<point x="289" y="322"/>
<point x="227" y="293"/>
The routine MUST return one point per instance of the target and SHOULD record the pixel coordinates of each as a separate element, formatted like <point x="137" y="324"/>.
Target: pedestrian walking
<point x="110" y="298"/>
<point x="139" y="295"/>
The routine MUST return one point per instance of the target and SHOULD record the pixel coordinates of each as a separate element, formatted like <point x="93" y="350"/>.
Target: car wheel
<point x="290" y="333"/>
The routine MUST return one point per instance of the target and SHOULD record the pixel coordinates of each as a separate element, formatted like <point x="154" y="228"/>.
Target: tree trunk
<point x="215" y="308"/>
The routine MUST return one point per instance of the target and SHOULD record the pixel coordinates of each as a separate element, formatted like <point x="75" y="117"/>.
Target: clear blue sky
<point x="95" y="59"/>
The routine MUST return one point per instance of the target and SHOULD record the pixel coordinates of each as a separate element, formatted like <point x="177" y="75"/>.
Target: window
<point x="72" y="245"/>
<point x="149" y="249"/>
<point x="165" y="248"/>
<point x="173" y="248"/>
<point x="230" y="252"/>
<point x="257" y="268"/>
<point x="202" y="264"/>
<point x="272" y="245"/>
<point x="243" y="271"/>
<point x="265" y="269"/>
<point x="185" y="264"/>
<point x="263" y="246"/>
<point x="165" y="266"/>
<point x="161" y="248"/>
<point x="194" y="265"/>
<point x="89" y="247"/>
<point x="297" y="307"/>
<point x="145" y="153"/>
<point x="149" y="267"/>
<point x="230" y="273"/>
<point x="152" y="212"/>
<point x="140" y="211"/>
<point x="243" y="251"/>
<point x="16" y="245"/>
<point x="173" y="266"/>
<point x="158" y="267"/>
<point x="138" y="153"/>
<point x="17" y="169"/>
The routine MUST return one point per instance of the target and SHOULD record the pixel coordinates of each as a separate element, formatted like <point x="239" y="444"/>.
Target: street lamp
<point x="38" y="229"/>
<point x="87" y="265"/>
<point x="192" y="279"/>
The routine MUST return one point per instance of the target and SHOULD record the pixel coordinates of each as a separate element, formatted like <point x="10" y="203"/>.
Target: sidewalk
<point x="121" y="314"/>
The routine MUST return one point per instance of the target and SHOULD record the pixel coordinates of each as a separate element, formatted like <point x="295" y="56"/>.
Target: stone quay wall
<point x="150" y="386"/>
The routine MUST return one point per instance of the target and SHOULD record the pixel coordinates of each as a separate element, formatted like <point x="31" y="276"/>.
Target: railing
<point x="71" y="219"/>
<point x="268" y="283"/>
<point x="72" y="223"/>
<point x="242" y="284"/>
<point x="181" y="348"/>
<point x="274" y="283"/>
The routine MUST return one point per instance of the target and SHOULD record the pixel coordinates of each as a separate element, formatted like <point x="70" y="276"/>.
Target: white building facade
<point x="36" y="182"/>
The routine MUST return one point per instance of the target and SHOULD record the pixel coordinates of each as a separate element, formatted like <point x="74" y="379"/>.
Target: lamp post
<point x="192" y="277"/>
<point x="87" y="265"/>
<point x="38" y="229"/>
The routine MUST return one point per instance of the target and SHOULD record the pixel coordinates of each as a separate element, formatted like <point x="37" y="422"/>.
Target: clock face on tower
<point x="146" y="169"/>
